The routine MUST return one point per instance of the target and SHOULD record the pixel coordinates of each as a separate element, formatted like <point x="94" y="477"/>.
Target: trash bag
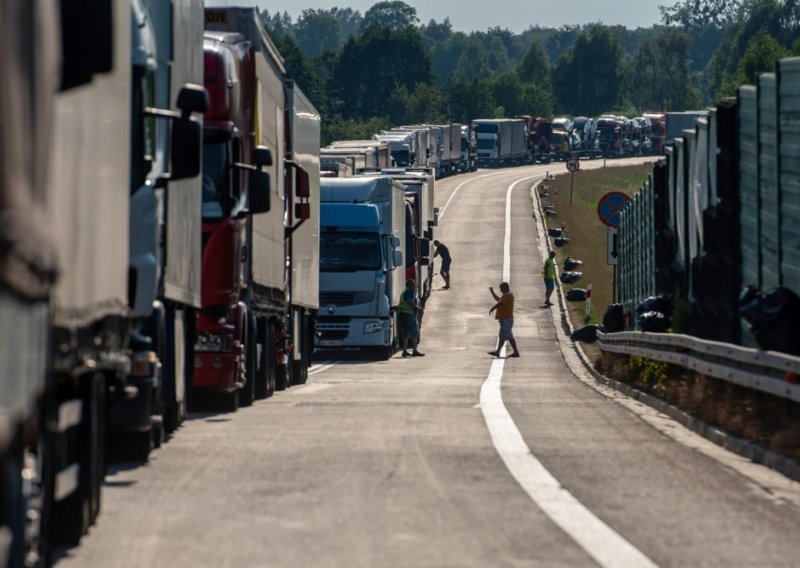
<point x="655" y="322"/>
<point x="570" y="277"/>
<point x="561" y="241"/>
<point x="550" y="213"/>
<point x="587" y="333"/>
<point x="614" y="319"/>
<point x="554" y="232"/>
<point x="572" y="263"/>
<point x="774" y="318"/>
<point x="576" y="295"/>
<point x="661" y="303"/>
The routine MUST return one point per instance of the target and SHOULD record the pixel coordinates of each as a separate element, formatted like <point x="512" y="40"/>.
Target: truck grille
<point x="336" y="298"/>
<point x="333" y="334"/>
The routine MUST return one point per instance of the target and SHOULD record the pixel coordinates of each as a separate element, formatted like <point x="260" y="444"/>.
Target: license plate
<point x="331" y="342"/>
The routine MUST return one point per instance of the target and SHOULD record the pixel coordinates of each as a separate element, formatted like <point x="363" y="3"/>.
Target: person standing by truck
<point x="409" y="323"/>
<point x="444" y="271"/>
<point x="505" y="317"/>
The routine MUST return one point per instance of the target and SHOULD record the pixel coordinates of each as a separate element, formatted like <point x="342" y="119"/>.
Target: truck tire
<point x="247" y="394"/>
<point x="265" y="372"/>
<point x="300" y="366"/>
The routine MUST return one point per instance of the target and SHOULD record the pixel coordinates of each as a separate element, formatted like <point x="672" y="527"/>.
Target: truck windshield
<point x="347" y="251"/>
<point x="487" y="143"/>
<point x="401" y="158"/>
<point x="215" y="180"/>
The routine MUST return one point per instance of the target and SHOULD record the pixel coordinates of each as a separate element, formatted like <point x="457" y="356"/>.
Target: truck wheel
<point x="265" y="380"/>
<point x="281" y="377"/>
<point x="248" y="394"/>
<point x="230" y="401"/>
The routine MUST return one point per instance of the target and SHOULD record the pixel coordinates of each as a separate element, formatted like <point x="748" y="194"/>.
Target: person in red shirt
<point x="504" y="314"/>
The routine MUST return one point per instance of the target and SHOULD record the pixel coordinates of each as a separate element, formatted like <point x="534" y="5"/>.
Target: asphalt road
<point x="455" y="459"/>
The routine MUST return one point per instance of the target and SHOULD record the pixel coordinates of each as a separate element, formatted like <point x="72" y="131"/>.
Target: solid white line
<point x="599" y="540"/>
<point x="321" y="368"/>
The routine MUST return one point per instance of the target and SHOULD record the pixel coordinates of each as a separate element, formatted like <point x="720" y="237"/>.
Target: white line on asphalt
<point x="455" y="191"/>
<point x="599" y="540"/>
<point x="323" y="367"/>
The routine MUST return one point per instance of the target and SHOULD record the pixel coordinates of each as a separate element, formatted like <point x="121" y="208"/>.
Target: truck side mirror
<point x="262" y="156"/>
<point x="258" y="191"/>
<point x="186" y="148"/>
<point x="87" y="42"/>
<point x="192" y="98"/>
<point x="395" y="241"/>
<point x="303" y="189"/>
<point x="302" y="211"/>
<point x="397" y="257"/>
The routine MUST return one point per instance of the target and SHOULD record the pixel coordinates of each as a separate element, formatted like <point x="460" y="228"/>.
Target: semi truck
<point x="362" y="263"/>
<point x="658" y="132"/>
<point x="258" y="309"/>
<point x="65" y="279"/>
<point x="677" y="122"/>
<point x="469" y="149"/>
<point x="501" y="141"/>
<point x="404" y="147"/>
<point x="358" y="154"/>
<point x="165" y="232"/>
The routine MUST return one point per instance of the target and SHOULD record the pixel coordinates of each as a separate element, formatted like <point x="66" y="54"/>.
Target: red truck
<point x="260" y="210"/>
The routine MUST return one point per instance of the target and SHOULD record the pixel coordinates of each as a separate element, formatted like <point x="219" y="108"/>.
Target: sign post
<point x="608" y="210"/>
<point x="573" y="165"/>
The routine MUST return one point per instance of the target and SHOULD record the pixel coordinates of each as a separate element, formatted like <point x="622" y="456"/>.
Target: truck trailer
<point x="501" y="141"/>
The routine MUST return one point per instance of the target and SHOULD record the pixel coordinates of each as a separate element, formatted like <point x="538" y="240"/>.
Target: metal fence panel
<point x="768" y="181"/>
<point x="748" y="185"/>
<point x="789" y="168"/>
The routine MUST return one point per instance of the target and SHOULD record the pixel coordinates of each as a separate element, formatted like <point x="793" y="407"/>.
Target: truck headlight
<point x="373" y="327"/>
<point x="214" y="342"/>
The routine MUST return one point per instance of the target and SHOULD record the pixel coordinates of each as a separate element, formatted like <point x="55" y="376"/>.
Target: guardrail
<point x="770" y="372"/>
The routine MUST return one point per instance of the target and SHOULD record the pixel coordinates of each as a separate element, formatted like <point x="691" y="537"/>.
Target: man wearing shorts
<point x="444" y="270"/>
<point x="549" y="277"/>
<point x="409" y="324"/>
<point x="504" y="314"/>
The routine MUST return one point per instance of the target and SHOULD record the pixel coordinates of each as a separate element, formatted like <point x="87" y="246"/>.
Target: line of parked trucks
<point x="170" y="231"/>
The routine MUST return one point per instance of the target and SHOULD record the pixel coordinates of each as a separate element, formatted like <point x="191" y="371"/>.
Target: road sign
<point x="573" y="164"/>
<point x="613" y="254"/>
<point x="609" y="206"/>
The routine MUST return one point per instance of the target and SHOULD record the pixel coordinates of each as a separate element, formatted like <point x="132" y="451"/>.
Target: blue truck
<point x="362" y="263"/>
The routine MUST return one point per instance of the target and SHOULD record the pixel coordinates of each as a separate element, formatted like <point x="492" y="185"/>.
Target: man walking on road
<point x="444" y="252"/>
<point x="505" y="316"/>
<point x="549" y="277"/>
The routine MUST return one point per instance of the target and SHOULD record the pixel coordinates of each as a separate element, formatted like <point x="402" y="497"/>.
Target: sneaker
<point x="494" y="353"/>
<point x="445" y="287"/>
<point x="417" y="354"/>
<point x="406" y="354"/>
<point x="548" y="303"/>
<point x="515" y="354"/>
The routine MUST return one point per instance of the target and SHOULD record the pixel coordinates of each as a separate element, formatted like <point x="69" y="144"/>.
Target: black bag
<point x="655" y="322"/>
<point x="576" y="295"/>
<point x="587" y="333"/>
<point x="613" y="318"/>
<point x="571" y="263"/>
<point x="661" y="303"/>
<point x="561" y="241"/>
<point x="570" y="277"/>
<point x="554" y="232"/>
<point x="774" y="318"/>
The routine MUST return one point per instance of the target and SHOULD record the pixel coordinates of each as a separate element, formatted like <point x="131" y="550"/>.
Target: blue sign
<point x="609" y="206"/>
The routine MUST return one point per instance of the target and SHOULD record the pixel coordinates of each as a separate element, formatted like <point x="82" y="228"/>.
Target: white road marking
<point x="455" y="191"/>
<point x="323" y="367"/>
<point x="599" y="540"/>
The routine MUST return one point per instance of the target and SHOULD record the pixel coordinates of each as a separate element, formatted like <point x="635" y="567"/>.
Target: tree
<point x="702" y="13"/>
<point x="350" y="21"/>
<point x="516" y="96"/>
<point x="469" y="99"/>
<point x="369" y="68"/>
<point x="659" y="77"/>
<point x="587" y="79"/>
<point x="534" y="67"/>
<point x="425" y="104"/>
<point x="318" y="31"/>
<point x="392" y="14"/>
<point x="301" y="70"/>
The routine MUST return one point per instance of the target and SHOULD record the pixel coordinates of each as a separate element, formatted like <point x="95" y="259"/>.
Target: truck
<point x="262" y="158"/>
<point x="358" y="154"/>
<point x="450" y="148"/>
<point x="165" y="231"/>
<point x="658" y="132"/>
<point x="362" y="263"/>
<point x="404" y="147"/>
<point x="469" y="149"/>
<point x="677" y="122"/>
<point x="65" y="280"/>
<point x="609" y="133"/>
<point x="501" y="141"/>
<point x="421" y="219"/>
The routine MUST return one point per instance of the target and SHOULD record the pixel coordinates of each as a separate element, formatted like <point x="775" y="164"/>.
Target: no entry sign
<point x="609" y="206"/>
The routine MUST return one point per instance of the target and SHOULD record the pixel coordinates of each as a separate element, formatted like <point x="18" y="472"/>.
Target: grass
<point x="587" y="235"/>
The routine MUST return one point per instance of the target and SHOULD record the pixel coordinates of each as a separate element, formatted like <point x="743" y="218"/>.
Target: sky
<point x="479" y="15"/>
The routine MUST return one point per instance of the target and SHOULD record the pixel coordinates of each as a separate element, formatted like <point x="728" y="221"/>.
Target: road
<point x="454" y="459"/>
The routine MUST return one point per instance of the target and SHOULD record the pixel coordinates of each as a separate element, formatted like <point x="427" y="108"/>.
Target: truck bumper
<point x="351" y="335"/>
<point x="134" y="414"/>
<point x="215" y="371"/>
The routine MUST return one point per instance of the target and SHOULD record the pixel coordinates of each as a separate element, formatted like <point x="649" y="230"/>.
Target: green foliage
<point x="424" y="105"/>
<point x="587" y="79"/>
<point x="702" y="13"/>
<point x="393" y="14"/>
<point x="318" y="31"/>
<point x="338" y="128"/>
<point x="468" y="99"/>
<point x="370" y="68"/>
<point x="534" y="67"/>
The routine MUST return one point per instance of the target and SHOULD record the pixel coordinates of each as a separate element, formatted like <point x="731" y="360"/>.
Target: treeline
<point x="367" y="72"/>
